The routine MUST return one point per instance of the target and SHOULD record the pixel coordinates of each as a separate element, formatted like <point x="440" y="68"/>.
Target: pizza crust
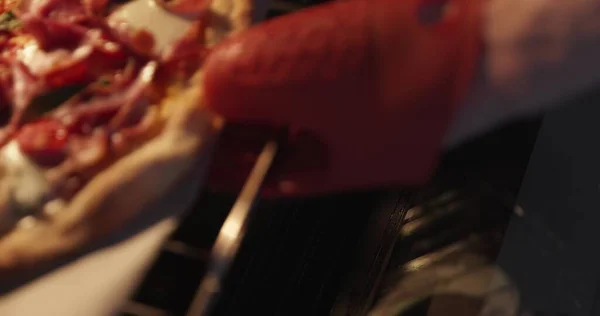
<point x="228" y="17"/>
<point x="133" y="183"/>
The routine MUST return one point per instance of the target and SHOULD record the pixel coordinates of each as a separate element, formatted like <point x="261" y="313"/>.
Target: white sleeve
<point x="537" y="54"/>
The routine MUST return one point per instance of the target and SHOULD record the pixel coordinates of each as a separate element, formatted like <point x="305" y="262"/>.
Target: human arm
<point x="379" y="93"/>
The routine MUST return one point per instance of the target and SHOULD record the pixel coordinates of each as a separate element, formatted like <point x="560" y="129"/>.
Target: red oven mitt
<point x="366" y="89"/>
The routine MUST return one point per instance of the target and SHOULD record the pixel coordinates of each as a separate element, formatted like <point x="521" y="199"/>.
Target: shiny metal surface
<point x="232" y="232"/>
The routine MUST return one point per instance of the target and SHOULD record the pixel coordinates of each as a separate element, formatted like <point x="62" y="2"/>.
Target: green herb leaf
<point x="8" y="21"/>
<point x="104" y="82"/>
<point x="47" y="102"/>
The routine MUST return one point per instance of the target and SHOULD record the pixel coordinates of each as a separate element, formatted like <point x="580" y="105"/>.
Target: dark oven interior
<point x="341" y="254"/>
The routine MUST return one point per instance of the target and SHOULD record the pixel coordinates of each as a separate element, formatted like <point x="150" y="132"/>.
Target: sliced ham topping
<point x="121" y="105"/>
<point x="190" y="8"/>
<point x="5" y="83"/>
<point x="46" y="140"/>
<point x="25" y="87"/>
<point x="51" y="34"/>
<point x="70" y="11"/>
<point x="94" y="7"/>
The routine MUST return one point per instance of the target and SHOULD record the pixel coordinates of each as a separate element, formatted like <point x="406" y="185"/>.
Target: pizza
<point x="100" y="116"/>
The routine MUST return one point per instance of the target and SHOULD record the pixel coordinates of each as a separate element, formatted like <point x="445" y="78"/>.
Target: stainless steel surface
<point x="550" y="248"/>
<point x="232" y="232"/>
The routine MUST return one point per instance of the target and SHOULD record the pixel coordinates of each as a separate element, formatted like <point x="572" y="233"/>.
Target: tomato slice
<point x="44" y="141"/>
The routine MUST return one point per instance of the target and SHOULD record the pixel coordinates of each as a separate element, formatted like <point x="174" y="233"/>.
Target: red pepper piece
<point x="44" y="141"/>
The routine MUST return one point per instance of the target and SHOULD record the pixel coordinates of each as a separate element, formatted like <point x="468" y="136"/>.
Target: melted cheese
<point x="149" y="16"/>
<point x="40" y="62"/>
<point x="27" y="183"/>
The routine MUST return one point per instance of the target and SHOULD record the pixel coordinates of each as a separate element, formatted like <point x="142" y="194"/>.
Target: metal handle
<point x="231" y="234"/>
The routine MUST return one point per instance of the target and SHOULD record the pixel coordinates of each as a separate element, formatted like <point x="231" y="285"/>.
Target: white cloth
<point x="537" y="53"/>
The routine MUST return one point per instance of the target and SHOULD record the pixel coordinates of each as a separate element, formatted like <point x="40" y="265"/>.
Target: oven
<point x="346" y="254"/>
